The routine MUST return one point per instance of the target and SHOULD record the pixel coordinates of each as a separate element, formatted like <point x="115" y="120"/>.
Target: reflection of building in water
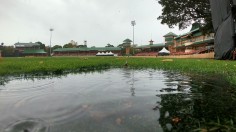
<point x="129" y="75"/>
<point x="185" y="112"/>
<point x="175" y="112"/>
<point x="132" y="89"/>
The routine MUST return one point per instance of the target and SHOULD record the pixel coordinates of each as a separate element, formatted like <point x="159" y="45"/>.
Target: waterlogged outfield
<point x="11" y="66"/>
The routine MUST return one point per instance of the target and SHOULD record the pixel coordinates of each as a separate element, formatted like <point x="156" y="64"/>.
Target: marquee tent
<point x="164" y="51"/>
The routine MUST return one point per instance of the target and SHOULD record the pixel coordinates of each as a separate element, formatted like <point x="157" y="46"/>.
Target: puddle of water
<point x="29" y="125"/>
<point x="114" y="100"/>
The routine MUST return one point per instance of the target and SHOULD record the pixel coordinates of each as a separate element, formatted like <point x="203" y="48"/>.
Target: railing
<point x="189" y="43"/>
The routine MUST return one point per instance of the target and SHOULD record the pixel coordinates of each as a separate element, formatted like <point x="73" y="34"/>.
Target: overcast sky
<point x="97" y="21"/>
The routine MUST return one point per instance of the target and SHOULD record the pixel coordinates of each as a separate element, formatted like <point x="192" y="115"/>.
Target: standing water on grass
<point x="116" y="100"/>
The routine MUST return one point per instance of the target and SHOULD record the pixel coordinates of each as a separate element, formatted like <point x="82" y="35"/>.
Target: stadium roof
<point x="88" y="49"/>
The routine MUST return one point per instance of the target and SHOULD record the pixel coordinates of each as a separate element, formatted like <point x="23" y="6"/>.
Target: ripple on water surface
<point x="30" y="125"/>
<point x="111" y="100"/>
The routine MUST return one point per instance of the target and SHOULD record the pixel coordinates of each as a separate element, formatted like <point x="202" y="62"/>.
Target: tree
<point x="183" y="13"/>
<point x="7" y="51"/>
<point x="56" y="47"/>
<point x="81" y="46"/>
<point x="109" y="45"/>
<point x="69" y="45"/>
<point x="42" y="46"/>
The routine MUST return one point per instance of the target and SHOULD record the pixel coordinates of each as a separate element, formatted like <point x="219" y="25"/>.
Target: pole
<point x="133" y="23"/>
<point x="133" y="39"/>
<point x="50" y="49"/>
<point x="50" y="43"/>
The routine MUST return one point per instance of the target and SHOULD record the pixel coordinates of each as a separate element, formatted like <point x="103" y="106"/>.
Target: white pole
<point x="133" y="24"/>
<point x="51" y="29"/>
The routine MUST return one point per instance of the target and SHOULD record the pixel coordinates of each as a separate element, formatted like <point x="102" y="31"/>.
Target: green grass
<point x="12" y="66"/>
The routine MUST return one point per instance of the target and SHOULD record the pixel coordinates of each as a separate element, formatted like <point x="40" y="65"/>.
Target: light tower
<point x="133" y="23"/>
<point x="51" y="29"/>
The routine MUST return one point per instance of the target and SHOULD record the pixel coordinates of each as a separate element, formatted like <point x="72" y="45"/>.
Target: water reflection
<point x="116" y="100"/>
<point x="46" y="75"/>
<point x="210" y="106"/>
<point x="132" y="89"/>
<point x="129" y="75"/>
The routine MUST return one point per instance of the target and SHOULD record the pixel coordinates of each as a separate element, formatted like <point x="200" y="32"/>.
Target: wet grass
<point x="12" y="66"/>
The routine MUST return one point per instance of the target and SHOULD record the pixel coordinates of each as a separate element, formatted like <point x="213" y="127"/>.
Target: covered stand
<point x="223" y="23"/>
<point x="163" y="52"/>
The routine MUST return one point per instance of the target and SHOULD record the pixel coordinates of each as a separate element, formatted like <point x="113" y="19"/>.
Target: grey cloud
<point x="98" y="21"/>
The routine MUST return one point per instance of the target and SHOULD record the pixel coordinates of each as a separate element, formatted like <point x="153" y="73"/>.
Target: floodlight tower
<point x="51" y="29"/>
<point x="133" y="23"/>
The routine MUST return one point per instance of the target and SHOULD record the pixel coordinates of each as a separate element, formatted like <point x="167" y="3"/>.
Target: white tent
<point x="110" y="53"/>
<point x="164" y="50"/>
<point x="98" y="53"/>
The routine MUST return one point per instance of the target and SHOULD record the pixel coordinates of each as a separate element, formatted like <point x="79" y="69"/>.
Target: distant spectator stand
<point x="34" y="52"/>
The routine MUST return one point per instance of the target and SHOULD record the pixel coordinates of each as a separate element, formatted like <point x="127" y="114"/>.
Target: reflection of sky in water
<point x="111" y="100"/>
